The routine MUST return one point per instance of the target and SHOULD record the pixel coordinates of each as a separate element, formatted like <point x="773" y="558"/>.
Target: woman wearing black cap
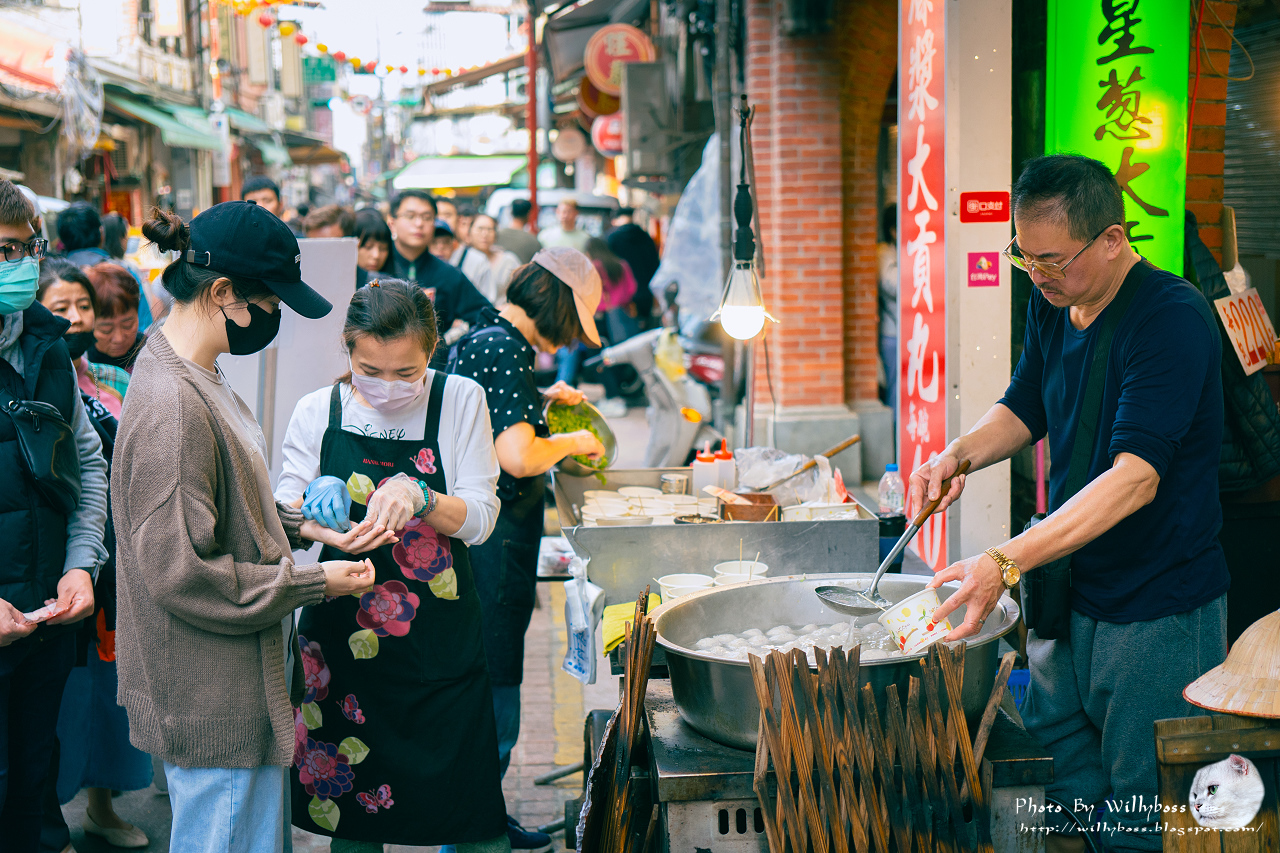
<point x="206" y="582"/>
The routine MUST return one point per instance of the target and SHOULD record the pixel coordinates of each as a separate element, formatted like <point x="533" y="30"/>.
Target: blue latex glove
<point x="327" y="501"/>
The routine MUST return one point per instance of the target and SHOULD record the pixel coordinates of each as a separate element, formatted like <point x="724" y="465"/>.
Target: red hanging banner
<point x="922" y="289"/>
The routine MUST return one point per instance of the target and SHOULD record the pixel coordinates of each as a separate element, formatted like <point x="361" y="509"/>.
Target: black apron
<point x="396" y="739"/>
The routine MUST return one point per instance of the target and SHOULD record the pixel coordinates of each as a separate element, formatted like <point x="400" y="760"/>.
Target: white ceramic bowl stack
<point x="633" y="505"/>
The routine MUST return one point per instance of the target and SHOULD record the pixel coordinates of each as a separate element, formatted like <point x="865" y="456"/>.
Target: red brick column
<point x="816" y="133"/>
<point x="866" y="41"/>
<point x="1208" y="132"/>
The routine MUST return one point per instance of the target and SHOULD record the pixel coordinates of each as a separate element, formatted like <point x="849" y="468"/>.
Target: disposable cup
<point x="749" y="568"/>
<point x="727" y="580"/>
<point x="674" y="586"/>
<point x="909" y="624"/>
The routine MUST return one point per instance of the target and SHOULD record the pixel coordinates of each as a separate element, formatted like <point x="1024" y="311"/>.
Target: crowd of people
<point x="152" y="561"/>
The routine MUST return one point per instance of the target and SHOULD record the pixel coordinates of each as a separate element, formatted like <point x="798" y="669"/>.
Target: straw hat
<point x="1248" y="682"/>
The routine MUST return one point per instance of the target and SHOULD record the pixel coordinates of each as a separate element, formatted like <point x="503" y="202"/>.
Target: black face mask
<point x="78" y="343"/>
<point x="262" y="330"/>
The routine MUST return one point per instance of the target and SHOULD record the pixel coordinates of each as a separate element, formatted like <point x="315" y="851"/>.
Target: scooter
<point x="679" y="412"/>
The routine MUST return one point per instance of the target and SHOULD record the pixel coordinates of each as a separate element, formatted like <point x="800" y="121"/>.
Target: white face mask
<point x="387" y="395"/>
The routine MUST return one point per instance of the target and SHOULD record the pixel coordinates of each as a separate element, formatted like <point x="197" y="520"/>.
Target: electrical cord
<point x="1230" y="31"/>
<point x="1195" y="86"/>
<point x="768" y="373"/>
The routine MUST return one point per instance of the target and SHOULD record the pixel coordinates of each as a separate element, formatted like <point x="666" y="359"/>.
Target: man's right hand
<point x="13" y="625"/>
<point x="344" y="578"/>
<point x="926" y="484"/>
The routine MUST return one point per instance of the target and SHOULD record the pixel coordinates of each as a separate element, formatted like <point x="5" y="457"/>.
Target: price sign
<point x="1252" y="335"/>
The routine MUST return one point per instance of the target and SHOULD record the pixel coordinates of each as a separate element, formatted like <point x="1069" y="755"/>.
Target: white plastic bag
<point x="583" y="610"/>
<point x="760" y="466"/>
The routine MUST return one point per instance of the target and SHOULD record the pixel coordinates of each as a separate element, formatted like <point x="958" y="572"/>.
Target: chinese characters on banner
<point x="922" y="296"/>
<point x="1117" y="92"/>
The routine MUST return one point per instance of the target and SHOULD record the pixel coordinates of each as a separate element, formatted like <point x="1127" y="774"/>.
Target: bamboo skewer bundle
<point x="854" y="777"/>
<point x="611" y="819"/>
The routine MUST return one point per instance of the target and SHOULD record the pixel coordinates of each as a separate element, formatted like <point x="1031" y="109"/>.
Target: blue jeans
<point x="33" y="673"/>
<point x="229" y="810"/>
<point x="506" y="712"/>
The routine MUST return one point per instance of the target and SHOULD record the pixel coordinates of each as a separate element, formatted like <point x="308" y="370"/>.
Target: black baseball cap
<point x="239" y="238"/>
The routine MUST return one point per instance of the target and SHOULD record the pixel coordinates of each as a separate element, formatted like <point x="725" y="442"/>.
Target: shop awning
<point x="318" y="154"/>
<point x="272" y="153"/>
<point x="433" y="173"/>
<point x="185" y="132"/>
<point x="568" y="32"/>
<point x="247" y="122"/>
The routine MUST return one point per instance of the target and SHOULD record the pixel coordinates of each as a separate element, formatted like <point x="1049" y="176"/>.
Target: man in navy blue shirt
<point x="1148" y="576"/>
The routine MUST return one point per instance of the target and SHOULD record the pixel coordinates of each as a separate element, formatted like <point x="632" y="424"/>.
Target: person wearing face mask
<point x="67" y="291"/>
<point x="93" y="731"/>
<point x="397" y="460"/>
<point x="205" y="574"/>
<point x="53" y="542"/>
<point x="551" y="303"/>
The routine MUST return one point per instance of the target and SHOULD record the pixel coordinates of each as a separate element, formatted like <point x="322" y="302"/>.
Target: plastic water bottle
<point x="893" y="493"/>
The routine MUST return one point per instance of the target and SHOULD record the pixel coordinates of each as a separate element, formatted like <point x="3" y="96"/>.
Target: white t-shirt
<point x="467" y="456"/>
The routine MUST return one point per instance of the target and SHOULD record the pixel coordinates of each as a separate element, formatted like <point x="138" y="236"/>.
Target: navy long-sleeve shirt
<point x="1162" y="402"/>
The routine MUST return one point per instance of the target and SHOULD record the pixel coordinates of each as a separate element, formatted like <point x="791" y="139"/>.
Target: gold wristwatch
<point x="1009" y="571"/>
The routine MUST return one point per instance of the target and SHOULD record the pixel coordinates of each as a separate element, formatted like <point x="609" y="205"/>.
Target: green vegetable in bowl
<point x="574" y="419"/>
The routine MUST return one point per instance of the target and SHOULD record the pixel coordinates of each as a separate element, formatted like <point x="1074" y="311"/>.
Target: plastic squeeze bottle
<point x="706" y="469"/>
<point x="728" y="468"/>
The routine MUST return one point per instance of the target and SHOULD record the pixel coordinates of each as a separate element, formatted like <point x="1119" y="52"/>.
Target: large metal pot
<point x="718" y="698"/>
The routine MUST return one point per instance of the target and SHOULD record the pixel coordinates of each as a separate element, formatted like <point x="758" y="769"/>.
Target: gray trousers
<point x="1093" y="703"/>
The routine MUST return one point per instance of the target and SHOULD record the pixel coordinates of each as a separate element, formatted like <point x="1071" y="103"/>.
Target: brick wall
<point x="1208" y="132"/>
<point x="816" y="134"/>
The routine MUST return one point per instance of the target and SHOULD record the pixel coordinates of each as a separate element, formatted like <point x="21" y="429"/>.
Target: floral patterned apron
<point x="395" y="738"/>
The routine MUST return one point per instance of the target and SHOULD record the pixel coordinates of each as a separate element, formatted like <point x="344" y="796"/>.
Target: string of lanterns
<point x="268" y="19"/>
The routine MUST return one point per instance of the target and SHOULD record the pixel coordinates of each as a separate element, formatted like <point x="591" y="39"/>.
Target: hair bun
<point x="167" y="231"/>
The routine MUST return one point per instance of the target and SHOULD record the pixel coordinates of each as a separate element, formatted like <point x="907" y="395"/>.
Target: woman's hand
<point x="344" y="578"/>
<point x="562" y="392"/>
<point x="75" y="597"/>
<point x="587" y="445"/>
<point x="394" y="503"/>
<point x="358" y="540"/>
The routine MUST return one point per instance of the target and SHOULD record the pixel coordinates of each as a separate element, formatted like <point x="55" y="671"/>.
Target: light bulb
<point x="742" y="313"/>
<point x="743" y="322"/>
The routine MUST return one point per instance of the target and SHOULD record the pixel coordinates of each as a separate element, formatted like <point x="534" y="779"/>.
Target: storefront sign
<point x="593" y="102"/>
<point x="1252" y="335"/>
<point x="606" y="134"/>
<point x="611" y="48"/>
<point x="984" y="269"/>
<point x="984" y="207"/>
<point x="1117" y="92"/>
<point x="922" y="294"/>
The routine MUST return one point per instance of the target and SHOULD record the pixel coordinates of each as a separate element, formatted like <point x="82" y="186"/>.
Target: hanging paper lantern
<point x="355" y="62"/>
<point x="435" y="72"/>
<point x="265" y="21"/>
<point x="323" y="48"/>
<point x="422" y="72"/>
<point x="287" y="29"/>
<point x="404" y="69"/>
<point x="340" y="56"/>
<point x="390" y="68"/>
<point x="300" y="39"/>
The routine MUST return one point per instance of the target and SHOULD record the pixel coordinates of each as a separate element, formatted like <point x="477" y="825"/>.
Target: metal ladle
<point x="861" y="601"/>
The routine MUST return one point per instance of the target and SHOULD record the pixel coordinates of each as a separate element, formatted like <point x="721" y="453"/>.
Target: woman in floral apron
<point x="395" y="737"/>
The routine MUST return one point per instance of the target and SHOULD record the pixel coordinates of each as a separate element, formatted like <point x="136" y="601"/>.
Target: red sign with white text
<point x="922" y="293"/>
<point x="984" y="207"/>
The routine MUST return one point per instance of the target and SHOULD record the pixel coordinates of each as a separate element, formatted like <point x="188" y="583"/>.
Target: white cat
<point x="1226" y="794"/>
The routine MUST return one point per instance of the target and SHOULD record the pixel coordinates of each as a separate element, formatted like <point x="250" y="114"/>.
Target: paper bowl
<point x="640" y="492"/>
<point x="602" y="495"/>
<point x="908" y="622"/>
<point x="729" y="580"/>
<point x="741" y="567"/>
<point x="674" y="586"/>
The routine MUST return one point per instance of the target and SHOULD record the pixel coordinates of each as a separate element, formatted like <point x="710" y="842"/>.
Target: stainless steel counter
<point x="622" y="560"/>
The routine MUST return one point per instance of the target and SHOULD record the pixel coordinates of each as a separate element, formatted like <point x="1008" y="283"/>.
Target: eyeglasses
<point x="416" y="218"/>
<point x="1048" y="269"/>
<point x="14" y="252"/>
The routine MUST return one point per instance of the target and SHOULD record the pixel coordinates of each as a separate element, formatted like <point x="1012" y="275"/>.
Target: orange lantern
<point x="340" y="56"/>
<point x="404" y="69"/>
<point x="300" y="40"/>
<point x="265" y="21"/>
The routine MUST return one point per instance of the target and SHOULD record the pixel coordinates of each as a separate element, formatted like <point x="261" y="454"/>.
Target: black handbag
<point x="1046" y="590"/>
<point x="47" y="446"/>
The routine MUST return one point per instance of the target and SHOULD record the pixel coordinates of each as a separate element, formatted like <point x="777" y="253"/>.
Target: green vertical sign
<point x="1117" y="92"/>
